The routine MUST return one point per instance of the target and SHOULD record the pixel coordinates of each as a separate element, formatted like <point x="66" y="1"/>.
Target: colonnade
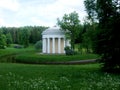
<point x="53" y="45"/>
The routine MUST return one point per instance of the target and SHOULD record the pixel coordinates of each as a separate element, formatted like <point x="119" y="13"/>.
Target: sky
<point x="17" y="13"/>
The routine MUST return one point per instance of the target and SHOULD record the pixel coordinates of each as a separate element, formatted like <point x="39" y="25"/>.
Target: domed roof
<point x="53" y="31"/>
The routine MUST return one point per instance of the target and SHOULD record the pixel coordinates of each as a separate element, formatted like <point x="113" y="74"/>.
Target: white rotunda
<point x="54" y="41"/>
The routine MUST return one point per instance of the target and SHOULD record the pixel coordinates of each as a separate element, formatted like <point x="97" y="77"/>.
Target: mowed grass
<point x="56" y="77"/>
<point x="14" y="76"/>
<point x="13" y="51"/>
<point x="30" y="55"/>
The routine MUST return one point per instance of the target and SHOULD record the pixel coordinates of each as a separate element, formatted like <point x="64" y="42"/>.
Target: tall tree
<point x="88" y="35"/>
<point x="25" y="37"/>
<point x="2" y="40"/>
<point x="70" y="23"/>
<point x="107" y="43"/>
<point x="8" y="39"/>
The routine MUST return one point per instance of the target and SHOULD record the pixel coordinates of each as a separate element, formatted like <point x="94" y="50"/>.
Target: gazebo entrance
<point x="53" y="41"/>
<point x="53" y="45"/>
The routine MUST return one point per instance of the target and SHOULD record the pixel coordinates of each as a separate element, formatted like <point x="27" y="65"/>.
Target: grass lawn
<point x="56" y="77"/>
<point x="29" y="55"/>
<point x="15" y="76"/>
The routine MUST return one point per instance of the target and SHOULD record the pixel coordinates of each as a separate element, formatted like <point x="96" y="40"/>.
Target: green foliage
<point x="2" y="41"/>
<point x="38" y="45"/>
<point x="17" y="82"/>
<point x="33" y="32"/>
<point x="90" y="6"/>
<point x="70" y="23"/>
<point x="25" y="37"/>
<point x="18" y="46"/>
<point x="9" y="39"/>
<point x="107" y="42"/>
<point x="36" y="33"/>
<point x="56" y="77"/>
<point x="88" y="37"/>
<point x="69" y="51"/>
<point x="37" y="58"/>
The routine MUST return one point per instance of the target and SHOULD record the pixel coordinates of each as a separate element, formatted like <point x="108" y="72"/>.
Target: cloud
<point x="2" y="21"/>
<point x="12" y="5"/>
<point x="39" y="22"/>
<point x="39" y="12"/>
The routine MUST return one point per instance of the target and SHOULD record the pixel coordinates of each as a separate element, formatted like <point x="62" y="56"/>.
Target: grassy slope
<point x="30" y="55"/>
<point x="71" y="77"/>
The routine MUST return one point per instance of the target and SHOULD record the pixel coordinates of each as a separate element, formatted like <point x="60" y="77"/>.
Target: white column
<point x="48" y="46"/>
<point x="44" y="45"/>
<point x="53" y="45"/>
<point x="64" y="44"/>
<point x="59" y="45"/>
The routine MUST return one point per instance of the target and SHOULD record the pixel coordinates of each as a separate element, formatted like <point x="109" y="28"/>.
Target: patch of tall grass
<point x="38" y="58"/>
<point x="57" y="77"/>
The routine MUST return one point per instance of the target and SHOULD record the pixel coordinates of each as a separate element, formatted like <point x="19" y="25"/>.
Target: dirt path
<point x="76" y="62"/>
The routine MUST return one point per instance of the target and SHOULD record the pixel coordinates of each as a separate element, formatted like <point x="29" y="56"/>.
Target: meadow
<point x="56" y="77"/>
<point x="14" y="75"/>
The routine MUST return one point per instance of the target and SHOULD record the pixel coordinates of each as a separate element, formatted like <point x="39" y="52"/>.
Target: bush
<point x="18" y="46"/>
<point x="38" y="45"/>
<point x="68" y="51"/>
<point x="2" y="47"/>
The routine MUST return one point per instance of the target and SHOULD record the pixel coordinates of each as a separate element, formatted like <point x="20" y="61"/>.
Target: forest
<point x="20" y="35"/>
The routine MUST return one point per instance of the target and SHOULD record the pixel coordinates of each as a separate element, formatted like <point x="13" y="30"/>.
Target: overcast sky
<point x="37" y="12"/>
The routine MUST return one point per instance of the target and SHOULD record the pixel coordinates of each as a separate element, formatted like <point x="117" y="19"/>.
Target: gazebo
<point x="54" y="41"/>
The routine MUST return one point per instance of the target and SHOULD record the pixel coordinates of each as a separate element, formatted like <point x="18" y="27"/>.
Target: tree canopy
<point x="20" y="35"/>
<point x="70" y="23"/>
<point x="107" y="39"/>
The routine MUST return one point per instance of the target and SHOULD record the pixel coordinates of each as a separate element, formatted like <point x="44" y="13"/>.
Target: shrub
<point x="2" y="47"/>
<point x="18" y="46"/>
<point x="38" y="45"/>
<point x="69" y="51"/>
